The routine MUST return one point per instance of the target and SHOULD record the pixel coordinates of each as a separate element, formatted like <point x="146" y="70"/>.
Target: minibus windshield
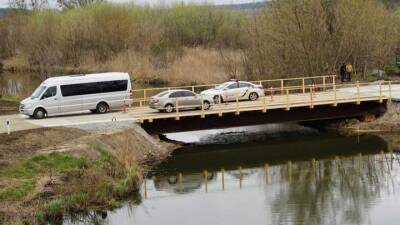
<point x="38" y="92"/>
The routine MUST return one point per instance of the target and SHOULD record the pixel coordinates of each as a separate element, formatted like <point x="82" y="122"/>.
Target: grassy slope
<point x="92" y="172"/>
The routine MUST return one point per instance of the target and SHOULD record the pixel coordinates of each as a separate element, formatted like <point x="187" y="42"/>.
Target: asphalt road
<point x="22" y="122"/>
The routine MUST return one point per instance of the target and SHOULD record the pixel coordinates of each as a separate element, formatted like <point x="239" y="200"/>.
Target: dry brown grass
<point x="193" y="66"/>
<point x="197" y="66"/>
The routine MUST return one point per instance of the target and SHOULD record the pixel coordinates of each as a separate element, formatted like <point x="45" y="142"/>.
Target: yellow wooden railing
<point x="294" y="96"/>
<point x="277" y="84"/>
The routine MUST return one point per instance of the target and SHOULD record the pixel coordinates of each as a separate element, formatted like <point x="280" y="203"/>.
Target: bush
<point x="392" y="69"/>
<point x="92" y="35"/>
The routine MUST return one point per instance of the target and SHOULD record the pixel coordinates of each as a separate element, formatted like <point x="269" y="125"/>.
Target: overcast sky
<point x="4" y="3"/>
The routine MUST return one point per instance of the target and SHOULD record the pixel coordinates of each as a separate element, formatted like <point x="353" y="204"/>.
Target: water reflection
<point x="337" y="180"/>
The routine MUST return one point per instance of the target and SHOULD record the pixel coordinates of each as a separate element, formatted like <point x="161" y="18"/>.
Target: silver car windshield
<point x="38" y="92"/>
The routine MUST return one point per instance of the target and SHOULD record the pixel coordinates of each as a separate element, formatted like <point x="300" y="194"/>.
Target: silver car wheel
<point x="206" y="105"/>
<point x="169" y="108"/>
<point x="253" y="96"/>
<point x="217" y="99"/>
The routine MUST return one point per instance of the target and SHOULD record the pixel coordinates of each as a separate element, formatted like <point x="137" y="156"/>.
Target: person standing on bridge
<point x="342" y="72"/>
<point x="349" y="71"/>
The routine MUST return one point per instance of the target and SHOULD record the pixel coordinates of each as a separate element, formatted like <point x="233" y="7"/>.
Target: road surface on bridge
<point x="328" y="97"/>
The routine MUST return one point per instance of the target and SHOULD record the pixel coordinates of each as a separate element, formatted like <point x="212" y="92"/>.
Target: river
<point x="279" y="176"/>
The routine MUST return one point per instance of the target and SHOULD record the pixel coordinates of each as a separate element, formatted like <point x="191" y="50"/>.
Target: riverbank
<point x="48" y="172"/>
<point x="387" y="123"/>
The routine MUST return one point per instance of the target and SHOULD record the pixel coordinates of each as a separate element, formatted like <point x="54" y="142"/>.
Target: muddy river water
<point x="292" y="176"/>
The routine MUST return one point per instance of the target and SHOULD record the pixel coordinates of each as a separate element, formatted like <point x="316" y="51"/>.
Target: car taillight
<point x="131" y="94"/>
<point x="155" y="100"/>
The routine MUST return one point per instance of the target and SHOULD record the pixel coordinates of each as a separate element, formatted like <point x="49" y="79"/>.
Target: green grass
<point x="113" y="182"/>
<point x="11" y="98"/>
<point x="45" y="163"/>
<point x="18" y="192"/>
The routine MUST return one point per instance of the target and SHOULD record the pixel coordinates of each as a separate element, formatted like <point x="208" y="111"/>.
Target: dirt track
<point x="25" y="143"/>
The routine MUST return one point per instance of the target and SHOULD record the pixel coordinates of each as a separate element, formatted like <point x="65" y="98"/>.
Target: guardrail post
<point x="303" y="85"/>
<point x="380" y="92"/>
<point x="193" y="88"/>
<point x="334" y="79"/>
<point x="390" y="91"/>
<point x="311" y="98"/>
<point x="287" y="100"/>
<point x="282" y="85"/>
<point x="202" y="107"/>
<point x="8" y="127"/>
<point x="337" y="164"/>
<point x="290" y="171"/>
<point x="272" y="93"/>
<point x="144" y="94"/>
<point x="323" y="83"/>
<point x="334" y="94"/>
<point x="313" y="165"/>
<point x="220" y="105"/>
<point x="237" y="106"/>
<point x="358" y="93"/>
<point x="140" y="111"/>
<point x="177" y="109"/>
<point x="180" y="182"/>
<point x="266" y="168"/>
<point x="223" y="178"/>
<point x="145" y="187"/>
<point x="265" y="104"/>
<point x="205" y="180"/>
<point x="241" y="177"/>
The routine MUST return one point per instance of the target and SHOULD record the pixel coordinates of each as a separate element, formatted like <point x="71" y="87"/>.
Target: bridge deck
<point x="318" y="95"/>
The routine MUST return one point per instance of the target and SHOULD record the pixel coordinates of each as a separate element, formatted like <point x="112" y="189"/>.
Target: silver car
<point x="166" y="101"/>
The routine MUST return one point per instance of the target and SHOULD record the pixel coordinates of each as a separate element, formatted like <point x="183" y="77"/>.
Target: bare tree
<point x="69" y="4"/>
<point x="28" y="4"/>
<point x="17" y="4"/>
<point x="304" y="38"/>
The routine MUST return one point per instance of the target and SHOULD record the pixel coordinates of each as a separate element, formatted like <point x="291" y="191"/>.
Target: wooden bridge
<point x="294" y="99"/>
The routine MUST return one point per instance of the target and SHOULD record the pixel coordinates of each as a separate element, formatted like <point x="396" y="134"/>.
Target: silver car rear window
<point x="162" y="94"/>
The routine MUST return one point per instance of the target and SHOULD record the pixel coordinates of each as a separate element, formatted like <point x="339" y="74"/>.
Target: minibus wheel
<point x="101" y="107"/>
<point x="39" y="113"/>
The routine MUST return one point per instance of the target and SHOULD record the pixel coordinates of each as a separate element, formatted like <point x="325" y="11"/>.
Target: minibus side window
<point x="50" y="92"/>
<point x="93" y="88"/>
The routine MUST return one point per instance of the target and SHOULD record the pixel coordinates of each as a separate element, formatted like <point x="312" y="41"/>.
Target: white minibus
<point x="98" y="93"/>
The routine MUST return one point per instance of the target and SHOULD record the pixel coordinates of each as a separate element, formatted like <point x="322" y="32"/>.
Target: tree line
<point x="286" y="38"/>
